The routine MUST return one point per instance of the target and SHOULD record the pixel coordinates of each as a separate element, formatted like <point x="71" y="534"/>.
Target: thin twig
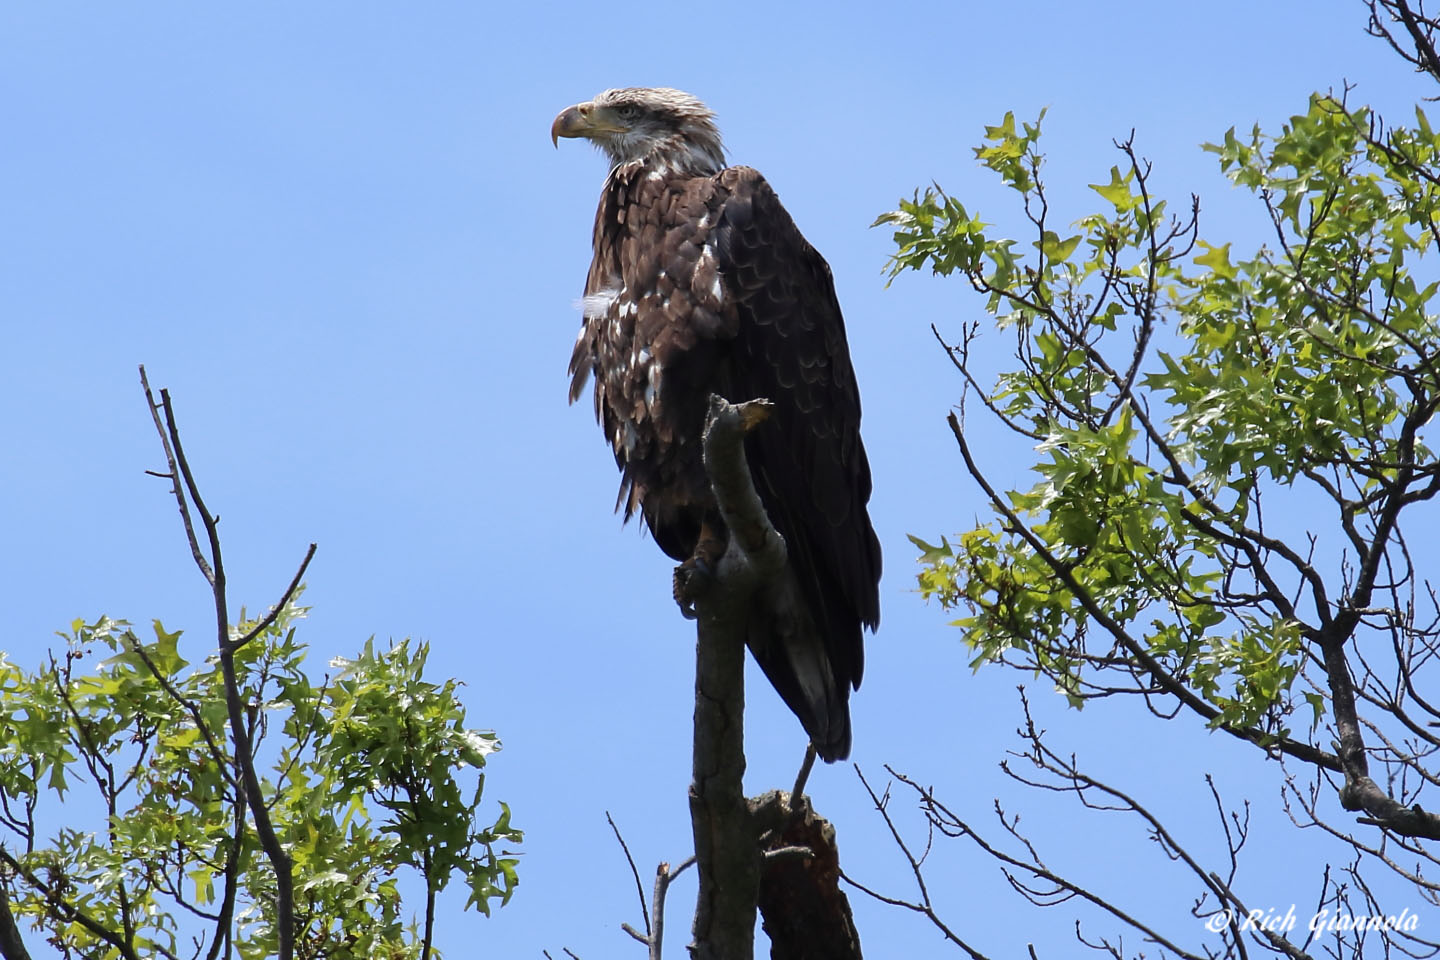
<point x="924" y="906"/>
<point x="174" y="477"/>
<point x="634" y="872"/>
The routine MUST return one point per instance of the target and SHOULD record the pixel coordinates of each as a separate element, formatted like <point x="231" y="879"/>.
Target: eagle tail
<point x="792" y="653"/>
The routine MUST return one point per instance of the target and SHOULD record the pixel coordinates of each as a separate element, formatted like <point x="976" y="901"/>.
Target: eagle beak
<point x="572" y="122"/>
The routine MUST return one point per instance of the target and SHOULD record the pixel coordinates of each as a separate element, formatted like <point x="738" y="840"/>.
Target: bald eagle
<point x="701" y="283"/>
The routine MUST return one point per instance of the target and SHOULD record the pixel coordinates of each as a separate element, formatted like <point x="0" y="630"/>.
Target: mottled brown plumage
<point x="701" y="283"/>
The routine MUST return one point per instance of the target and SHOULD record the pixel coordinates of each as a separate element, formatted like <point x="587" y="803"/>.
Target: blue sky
<point x="340" y="235"/>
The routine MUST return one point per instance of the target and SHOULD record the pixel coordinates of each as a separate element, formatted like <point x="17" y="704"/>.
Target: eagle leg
<point x="797" y="793"/>
<point x="694" y="576"/>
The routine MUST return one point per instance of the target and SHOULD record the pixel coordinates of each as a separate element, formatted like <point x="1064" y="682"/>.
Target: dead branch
<point x="805" y="913"/>
<point x="726" y="848"/>
<point x="634" y="872"/>
<point x="654" y="937"/>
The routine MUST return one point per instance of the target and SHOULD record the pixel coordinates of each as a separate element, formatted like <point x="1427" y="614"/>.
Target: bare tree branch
<point x="1419" y="30"/>
<point x="924" y="906"/>
<point x="726" y="848"/>
<point x="634" y="872"/>
<point x="214" y="572"/>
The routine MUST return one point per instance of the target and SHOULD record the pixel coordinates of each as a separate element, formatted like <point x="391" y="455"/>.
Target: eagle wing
<point x="705" y="284"/>
<point x="808" y="462"/>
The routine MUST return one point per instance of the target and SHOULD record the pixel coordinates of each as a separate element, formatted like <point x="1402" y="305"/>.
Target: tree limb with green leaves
<point x="1175" y="390"/>
<point x="241" y="809"/>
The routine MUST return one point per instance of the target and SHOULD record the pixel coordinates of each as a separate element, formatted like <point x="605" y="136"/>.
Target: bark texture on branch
<point x="806" y="915"/>
<point x="726" y="839"/>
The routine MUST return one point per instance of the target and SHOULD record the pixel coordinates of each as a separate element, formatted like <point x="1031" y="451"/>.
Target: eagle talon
<point x="692" y="579"/>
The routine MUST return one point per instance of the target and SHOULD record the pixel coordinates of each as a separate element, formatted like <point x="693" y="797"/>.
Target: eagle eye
<point x="627" y="111"/>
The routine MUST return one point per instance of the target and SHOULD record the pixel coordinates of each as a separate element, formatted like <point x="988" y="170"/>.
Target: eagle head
<point x="664" y="128"/>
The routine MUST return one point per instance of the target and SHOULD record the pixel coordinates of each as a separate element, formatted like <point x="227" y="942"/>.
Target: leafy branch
<point x="1172" y="390"/>
<point x="374" y="771"/>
